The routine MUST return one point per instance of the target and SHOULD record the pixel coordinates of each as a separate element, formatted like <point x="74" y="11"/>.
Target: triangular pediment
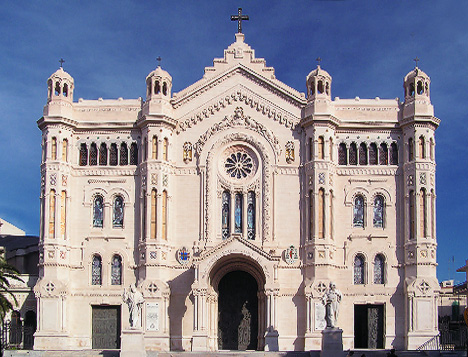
<point x="239" y="60"/>
<point x="233" y="245"/>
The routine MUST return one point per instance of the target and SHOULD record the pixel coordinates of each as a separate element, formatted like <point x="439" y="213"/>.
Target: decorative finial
<point x="159" y="59"/>
<point x="239" y="17"/>
<point x="61" y="62"/>
<point x="319" y="60"/>
<point x="416" y="60"/>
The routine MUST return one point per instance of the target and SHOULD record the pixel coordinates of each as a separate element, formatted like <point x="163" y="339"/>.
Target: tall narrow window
<point x="52" y="200"/>
<point x="157" y="88"/>
<point x="311" y="215"/>
<point x="238" y="213"/>
<point x="353" y="154"/>
<point x="342" y="154"/>
<point x="164" y="215"/>
<point x="143" y="217"/>
<point x="321" y="213"/>
<point x="93" y="155"/>
<point x="98" y="211"/>
<point x="134" y="154"/>
<point x="165" y="149"/>
<point x="113" y="155"/>
<point x="63" y="214"/>
<point x="83" y="155"/>
<point x="251" y="215"/>
<point x="320" y="148"/>
<point x="412" y="214"/>
<point x="379" y="211"/>
<point x="118" y="212"/>
<point x="433" y="222"/>
<point x="225" y="214"/>
<point x="54" y="149"/>
<point x="116" y="270"/>
<point x="410" y="149"/>
<point x="358" y="211"/>
<point x="123" y="154"/>
<point x="331" y="149"/>
<point x="103" y="154"/>
<point x="363" y="154"/>
<point x="311" y="149"/>
<point x="57" y="89"/>
<point x="330" y="216"/>
<point x="422" y="213"/>
<point x="96" y="270"/>
<point x="373" y="154"/>
<point x="393" y="154"/>
<point x="383" y="154"/>
<point x="359" y="269"/>
<point x="65" y="90"/>
<point x="154" y="146"/>
<point x="154" y="213"/>
<point x="431" y="148"/>
<point x="422" y="147"/>
<point x="379" y="269"/>
<point x="65" y="150"/>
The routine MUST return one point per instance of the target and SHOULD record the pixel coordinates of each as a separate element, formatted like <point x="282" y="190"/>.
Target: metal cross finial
<point x="239" y="17"/>
<point x="416" y="60"/>
<point x="159" y="59"/>
<point x="61" y="62"/>
<point x="319" y="60"/>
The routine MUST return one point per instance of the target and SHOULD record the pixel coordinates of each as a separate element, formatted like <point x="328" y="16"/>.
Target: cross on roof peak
<point x="239" y="17"/>
<point x="319" y="60"/>
<point x="61" y="62"/>
<point x="416" y="60"/>
<point x="159" y="59"/>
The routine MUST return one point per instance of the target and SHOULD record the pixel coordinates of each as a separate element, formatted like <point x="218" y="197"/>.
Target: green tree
<point x="8" y="273"/>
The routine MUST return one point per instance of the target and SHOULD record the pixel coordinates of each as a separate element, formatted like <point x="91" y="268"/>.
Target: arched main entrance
<point x="237" y="311"/>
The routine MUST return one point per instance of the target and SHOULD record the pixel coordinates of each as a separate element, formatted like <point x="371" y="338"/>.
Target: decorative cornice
<point x="349" y="171"/>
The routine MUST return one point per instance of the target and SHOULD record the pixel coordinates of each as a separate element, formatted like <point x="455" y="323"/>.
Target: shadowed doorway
<point x="237" y="312"/>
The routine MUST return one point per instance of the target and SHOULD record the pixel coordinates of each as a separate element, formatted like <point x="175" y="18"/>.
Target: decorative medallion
<point x="422" y="178"/>
<point x="290" y="255"/>
<point x="154" y="179"/>
<point x="51" y="254"/>
<point x="164" y="180"/>
<point x="53" y="179"/>
<point x="153" y="255"/>
<point x="310" y="255"/>
<point x="64" y="180"/>
<point x="424" y="287"/>
<point x="183" y="256"/>
<point x="321" y="287"/>
<point x="152" y="288"/>
<point x="238" y="165"/>
<point x="49" y="288"/>
<point x="311" y="178"/>
<point x="143" y="181"/>
<point x="63" y="254"/>
<point x="321" y="178"/>
<point x="409" y="180"/>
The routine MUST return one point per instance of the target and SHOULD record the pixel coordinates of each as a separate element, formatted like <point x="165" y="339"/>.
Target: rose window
<point x="238" y="165"/>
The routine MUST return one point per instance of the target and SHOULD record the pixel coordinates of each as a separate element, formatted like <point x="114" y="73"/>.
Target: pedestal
<point x="271" y="341"/>
<point x="132" y="343"/>
<point x="199" y="342"/>
<point x="332" y="342"/>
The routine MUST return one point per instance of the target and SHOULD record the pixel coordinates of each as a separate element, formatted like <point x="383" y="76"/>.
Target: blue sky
<point x="109" y="47"/>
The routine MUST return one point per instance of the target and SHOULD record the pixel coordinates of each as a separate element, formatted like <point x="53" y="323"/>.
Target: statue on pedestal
<point x="134" y="300"/>
<point x="331" y="299"/>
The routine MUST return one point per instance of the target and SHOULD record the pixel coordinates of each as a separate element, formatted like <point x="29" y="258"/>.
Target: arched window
<point x="116" y="270"/>
<point x="154" y="215"/>
<point x="410" y="149"/>
<point x="238" y="208"/>
<point x="363" y="154"/>
<point x="320" y="148"/>
<point x="431" y="148"/>
<point x="331" y="149"/>
<point x="320" y="87"/>
<point x="353" y="154"/>
<point x="412" y="214"/>
<point x="16" y="325"/>
<point x="165" y="149"/>
<point x="65" y="150"/>
<point x="49" y="88"/>
<point x="154" y="152"/>
<point x="330" y="217"/>
<point x="165" y="88"/>
<point x="98" y="211"/>
<point x="422" y="213"/>
<point x="54" y="149"/>
<point x="358" y="211"/>
<point x="63" y="214"/>
<point x="422" y="147"/>
<point x="30" y="323"/>
<point x="379" y="269"/>
<point x="379" y="211"/>
<point x="383" y="154"/>
<point x="83" y="155"/>
<point x="251" y="215"/>
<point x="93" y="155"/>
<point x="321" y="213"/>
<point x="123" y="154"/>
<point x="118" y="212"/>
<point x="52" y="200"/>
<point x="113" y="155"/>
<point x="65" y="90"/>
<point x="433" y="222"/>
<point x="96" y="270"/>
<point x="143" y="216"/>
<point x="103" y="154"/>
<point x="359" y="269"/>
<point x="342" y="154"/>
<point x="57" y="89"/>
<point x="373" y="154"/>
<point x="311" y="149"/>
<point x="394" y="154"/>
<point x="134" y="154"/>
<point x="164" y="215"/>
<point x="225" y="214"/>
<point x="420" y="87"/>
<point x="157" y="87"/>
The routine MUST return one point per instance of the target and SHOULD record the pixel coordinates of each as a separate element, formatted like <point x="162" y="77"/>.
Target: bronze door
<point x="106" y="327"/>
<point x="369" y="326"/>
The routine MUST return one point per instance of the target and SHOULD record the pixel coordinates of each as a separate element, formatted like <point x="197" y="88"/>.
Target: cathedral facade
<point x="232" y="205"/>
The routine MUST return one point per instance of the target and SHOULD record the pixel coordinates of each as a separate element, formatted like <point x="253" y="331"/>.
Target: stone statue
<point x="331" y="299"/>
<point x="134" y="300"/>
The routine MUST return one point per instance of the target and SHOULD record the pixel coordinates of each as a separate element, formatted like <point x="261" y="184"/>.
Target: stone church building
<point x="232" y="205"/>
